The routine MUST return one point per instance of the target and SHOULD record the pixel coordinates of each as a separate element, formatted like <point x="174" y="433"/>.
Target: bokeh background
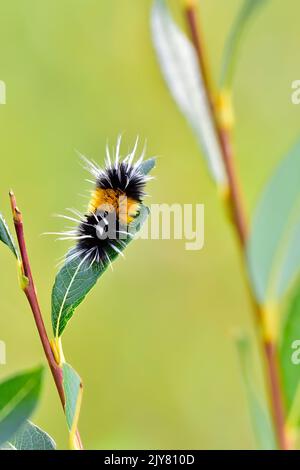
<point x="153" y="341"/>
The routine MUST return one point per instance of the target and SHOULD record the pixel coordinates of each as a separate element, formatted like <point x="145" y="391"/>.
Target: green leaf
<point x="290" y="370"/>
<point x="260" y="419"/>
<point x="148" y="165"/>
<point x="31" y="437"/>
<point x="6" y="237"/>
<point x="274" y="248"/>
<point x="179" y="66"/>
<point x="73" y="392"/>
<point x="77" y="277"/>
<point x="72" y="284"/>
<point x="7" y="446"/>
<point x="232" y="47"/>
<point x="18" y="398"/>
<point x="72" y="388"/>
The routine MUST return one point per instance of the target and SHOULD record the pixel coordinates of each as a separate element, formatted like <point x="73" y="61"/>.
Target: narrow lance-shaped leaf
<point x="179" y="65"/>
<point x="245" y="14"/>
<point x="274" y="248"/>
<point x="148" y="165"/>
<point x="6" y="237"/>
<point x="260" y="419"/>
<point x="31" y="437"/>
<point x="18" y="398"/>
<point x="7" y="446"/>
<point x="73" y="392"/>
<point x="77" y="277"/>
<point x="290" y="366"/>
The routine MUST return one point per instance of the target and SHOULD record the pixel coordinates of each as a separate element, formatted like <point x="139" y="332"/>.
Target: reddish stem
<point x="240" y="223"/>
<point x="31" y="295"/>
<point x="233" y="183"/>
<point x="274" y="384"/>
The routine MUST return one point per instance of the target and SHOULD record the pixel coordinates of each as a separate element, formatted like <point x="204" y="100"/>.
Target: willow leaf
<point x="260" y="419"/>
<point x="179" y="65"/>
<point x="233" y="44"/>
<point x="290" y="366"/>
<point x="18" y="398"/>
<point x="31" y="437"/>
<point x="73" y="392"/>
<point x="274" y="248"/>
<point x="147" y="165"/>
<point x="7" y="446"/>
<point x="77" y="277"/>
<point x="6" y="237"/>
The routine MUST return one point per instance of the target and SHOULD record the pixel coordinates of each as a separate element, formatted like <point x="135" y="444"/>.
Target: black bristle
<point x="127" y="179"/>
<point x="130" y="181"/>
<point x="103" y="245"/>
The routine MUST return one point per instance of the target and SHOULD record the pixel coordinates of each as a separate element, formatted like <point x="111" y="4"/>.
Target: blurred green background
<point x="153" y="341"/>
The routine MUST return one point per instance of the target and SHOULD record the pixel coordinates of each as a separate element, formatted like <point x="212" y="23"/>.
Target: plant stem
<point x="272" y="366"/>
<point x="30" y="292"/>
<point x="269" y="346"/>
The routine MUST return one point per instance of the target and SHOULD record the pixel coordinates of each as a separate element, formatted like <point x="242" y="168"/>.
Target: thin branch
<point x="241" y="226"/>
<point x="30" y="292"/>
<point x="222" y="134"/>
